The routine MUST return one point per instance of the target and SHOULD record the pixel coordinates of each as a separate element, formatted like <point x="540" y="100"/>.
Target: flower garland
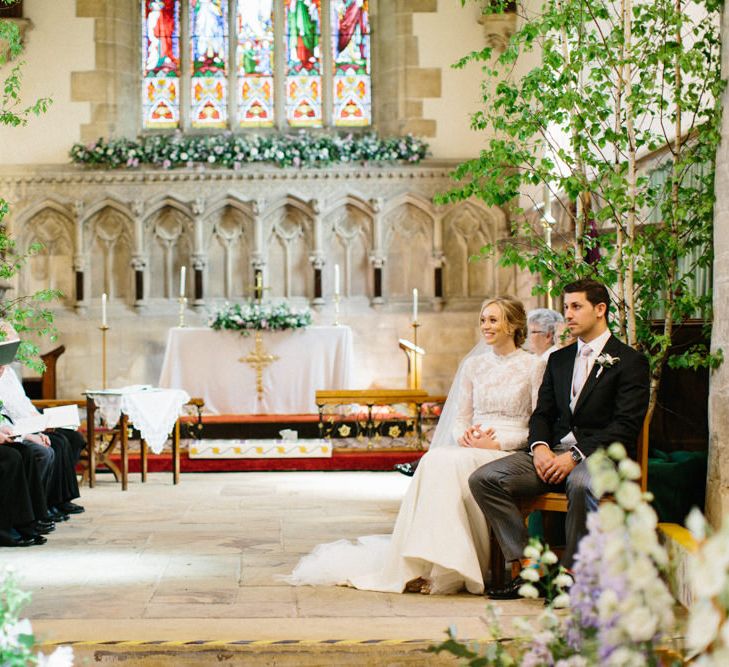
<point x="259" y="317"/>
<point x="232" y="151"/>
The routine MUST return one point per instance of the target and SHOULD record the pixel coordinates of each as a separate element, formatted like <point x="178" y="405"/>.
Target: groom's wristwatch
<point x="576" y="456"/>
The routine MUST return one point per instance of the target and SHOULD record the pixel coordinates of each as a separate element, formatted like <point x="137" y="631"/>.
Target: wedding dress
<point x="440" y="533"/>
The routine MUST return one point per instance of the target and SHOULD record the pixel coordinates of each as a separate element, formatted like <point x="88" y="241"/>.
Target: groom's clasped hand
<point x="552" y="468"/>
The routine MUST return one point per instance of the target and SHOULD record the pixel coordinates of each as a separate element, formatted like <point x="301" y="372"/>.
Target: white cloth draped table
<point x="206" y="364"/>
<point x="152" y="411"/>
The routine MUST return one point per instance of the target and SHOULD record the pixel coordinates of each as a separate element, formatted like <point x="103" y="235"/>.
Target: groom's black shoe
<point x="511" y="590"/>
<point x="404" y="468"/>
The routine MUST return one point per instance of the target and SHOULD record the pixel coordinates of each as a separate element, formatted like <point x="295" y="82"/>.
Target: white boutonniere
<point x="605" y="361"/>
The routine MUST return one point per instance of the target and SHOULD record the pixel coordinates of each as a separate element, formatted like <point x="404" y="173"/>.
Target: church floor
<point x="199" y="562"/>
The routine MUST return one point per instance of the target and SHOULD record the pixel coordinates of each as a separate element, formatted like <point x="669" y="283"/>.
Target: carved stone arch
<point x="348" y="232"/>
<point x="409" y="230"/>
<point x="108" y="246"/>
<point x="289" y="243"/>
<point x="168" y="242"/>
<point x="467" y="228"/>
<point x="50" y="265"/>
<point x="228" y="240"/>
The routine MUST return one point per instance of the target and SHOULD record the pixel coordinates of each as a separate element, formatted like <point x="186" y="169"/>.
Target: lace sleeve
<point x="464" y="415"/>
<point x="536" y="379"/>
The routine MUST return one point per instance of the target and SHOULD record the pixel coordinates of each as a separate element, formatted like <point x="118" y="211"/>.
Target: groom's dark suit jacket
<point x="610" y="408"/>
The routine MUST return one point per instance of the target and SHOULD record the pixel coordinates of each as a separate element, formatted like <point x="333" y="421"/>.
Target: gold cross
<point x="259" y="359"/>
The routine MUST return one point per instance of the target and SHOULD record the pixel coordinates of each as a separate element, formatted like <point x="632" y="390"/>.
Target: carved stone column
<point x="317" y="257"/>
<point x="199" y="256"/>
<point x="139" y="257"/>
<point x="79" y="258"/>
<point x="258" y="256"/>
<point x="377" y="257"/>
<point x="438" y="262"/>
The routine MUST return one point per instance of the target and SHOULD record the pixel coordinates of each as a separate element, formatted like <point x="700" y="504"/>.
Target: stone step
<point x="281" y="653"/>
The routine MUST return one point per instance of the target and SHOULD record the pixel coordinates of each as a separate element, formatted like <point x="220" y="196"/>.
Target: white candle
<point x="415" y="304"/>
<point x="182" y="282"/>
<point x="103" y="309"/>
<point x="336" y="279"/>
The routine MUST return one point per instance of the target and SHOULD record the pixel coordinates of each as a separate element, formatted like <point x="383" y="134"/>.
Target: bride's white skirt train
<point x="440" y="535"/>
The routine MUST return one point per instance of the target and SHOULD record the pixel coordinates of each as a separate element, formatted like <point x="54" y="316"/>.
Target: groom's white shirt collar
<point x="597" y="345"/>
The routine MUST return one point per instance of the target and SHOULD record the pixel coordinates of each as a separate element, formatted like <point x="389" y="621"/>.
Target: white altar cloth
<point x="152" y="411"/>
<point x="206" y="364"/>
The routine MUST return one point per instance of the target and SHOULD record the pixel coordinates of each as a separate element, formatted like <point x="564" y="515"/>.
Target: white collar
<point x="596" y="344"/>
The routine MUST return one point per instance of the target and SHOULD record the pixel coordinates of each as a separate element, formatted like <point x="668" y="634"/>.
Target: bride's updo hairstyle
<point x="515" y="316"/>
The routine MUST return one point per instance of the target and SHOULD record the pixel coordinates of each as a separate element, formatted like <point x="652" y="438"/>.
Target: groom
<point x="594" y="393"/>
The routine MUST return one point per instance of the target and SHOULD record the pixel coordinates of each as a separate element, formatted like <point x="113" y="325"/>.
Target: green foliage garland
<point x="259" y="317"/>
<point x="235" y="150"/>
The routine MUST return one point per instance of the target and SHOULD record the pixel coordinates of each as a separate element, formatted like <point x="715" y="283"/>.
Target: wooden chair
<point x="44" y="387"/>
<point x="557" y="502"/>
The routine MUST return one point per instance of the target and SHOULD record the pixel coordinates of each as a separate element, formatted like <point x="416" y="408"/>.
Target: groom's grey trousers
<point x="495" y="486"/>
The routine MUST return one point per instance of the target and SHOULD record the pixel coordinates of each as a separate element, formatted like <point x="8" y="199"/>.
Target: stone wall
<point x="127" y="233"/>
<point x="717" y="498"/>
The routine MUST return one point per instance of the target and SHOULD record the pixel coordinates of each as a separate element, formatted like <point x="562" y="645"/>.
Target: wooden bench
<point x="557" y="502"/>
<point x="367" y="423"/>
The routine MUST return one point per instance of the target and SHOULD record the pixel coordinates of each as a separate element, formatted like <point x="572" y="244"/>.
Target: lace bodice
<point x="499" y="391"/>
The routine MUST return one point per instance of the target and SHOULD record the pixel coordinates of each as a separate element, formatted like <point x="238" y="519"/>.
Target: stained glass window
<point x="303" y="63"/>
<point x="208" y="55"/>
<point x="351" y="62"/>
<point x="254" y="59"/>
<point x="321" y="49"/>
<point x="161" y="64"/>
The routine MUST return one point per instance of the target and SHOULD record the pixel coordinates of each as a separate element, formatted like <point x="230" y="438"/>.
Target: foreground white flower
<point x="528" y="591"/>
<point x="61" y="657"/>
<point x="628" y="495"/>
<point x="703" y="625"/>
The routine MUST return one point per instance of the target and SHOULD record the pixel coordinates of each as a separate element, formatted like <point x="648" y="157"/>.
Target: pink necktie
<point x="581" y="371"/>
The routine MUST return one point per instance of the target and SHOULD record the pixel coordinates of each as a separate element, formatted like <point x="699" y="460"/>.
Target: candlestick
<point x="336" y="279"/>
<point x="103" y="309"/>
<point x="182" y="281"/>
<point x="415" y="325"/>
<point x="183" y="302"/>
<point x="103" y="328"/>
<point x="415" y="304"/>
<point x="336" y="310"/>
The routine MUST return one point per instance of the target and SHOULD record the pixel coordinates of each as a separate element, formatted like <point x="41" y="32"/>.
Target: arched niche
<point x="289" y="247"/>
<point x="169" y="247"/>
<point x="466" y="230"/>
<point x="229" y="245"/>
<point x="348" y="243"/>
<point x="409" y="247"/>
<point x="109" y="251"/>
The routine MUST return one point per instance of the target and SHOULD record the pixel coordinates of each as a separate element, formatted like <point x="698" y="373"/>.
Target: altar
<point x="213" y="365"/>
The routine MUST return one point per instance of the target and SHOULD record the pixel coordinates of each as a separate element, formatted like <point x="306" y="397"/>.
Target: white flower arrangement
<point x="619" y="610"/>
<point x="233" y="151"/>
<point x="254" y="316"/>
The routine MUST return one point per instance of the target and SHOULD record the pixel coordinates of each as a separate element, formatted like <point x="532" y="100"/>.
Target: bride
<point x="440" y="540"/>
